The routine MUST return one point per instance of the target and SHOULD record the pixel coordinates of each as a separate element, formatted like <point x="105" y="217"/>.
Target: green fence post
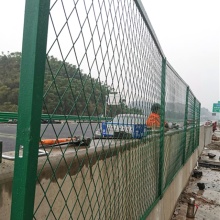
<point x="0" y="151"/>
<point x="194" y="125"/>
<point x="162" y="113"/>
<point x="185" y="125"/>
<point x="198" y="132"/>
<point x="30" y="107"/>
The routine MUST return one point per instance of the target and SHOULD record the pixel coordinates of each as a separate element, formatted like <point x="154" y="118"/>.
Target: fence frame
<point x="30" y="107"/>
<point x="185" y="125"/>
<point x="163" y="89"/>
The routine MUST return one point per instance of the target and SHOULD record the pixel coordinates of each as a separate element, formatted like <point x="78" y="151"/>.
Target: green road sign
<point x="216" y="107"/>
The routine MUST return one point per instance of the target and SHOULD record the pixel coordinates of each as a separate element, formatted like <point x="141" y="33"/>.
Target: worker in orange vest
<point x="153" y="120"/>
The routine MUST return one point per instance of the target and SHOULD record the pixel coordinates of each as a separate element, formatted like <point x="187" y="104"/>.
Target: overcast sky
<point x="188" y="32"/>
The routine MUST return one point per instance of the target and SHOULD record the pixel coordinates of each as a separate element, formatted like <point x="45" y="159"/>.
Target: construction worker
<point x="153" y="120"/>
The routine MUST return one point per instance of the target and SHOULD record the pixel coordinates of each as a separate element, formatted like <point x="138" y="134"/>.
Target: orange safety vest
<point x="153" y="120"/>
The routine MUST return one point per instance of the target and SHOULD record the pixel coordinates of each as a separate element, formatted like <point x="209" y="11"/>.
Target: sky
<point x="188" y="32"/>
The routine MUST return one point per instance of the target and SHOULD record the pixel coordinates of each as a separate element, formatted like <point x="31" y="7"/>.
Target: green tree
<point x="67" y="90"/>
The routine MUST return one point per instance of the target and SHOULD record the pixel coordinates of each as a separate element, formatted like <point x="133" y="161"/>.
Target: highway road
<point x="8" y="132"/>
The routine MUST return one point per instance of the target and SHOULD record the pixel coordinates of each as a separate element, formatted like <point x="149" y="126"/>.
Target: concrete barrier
<point x="165" y="207"/>
<point x="113" y="181"/>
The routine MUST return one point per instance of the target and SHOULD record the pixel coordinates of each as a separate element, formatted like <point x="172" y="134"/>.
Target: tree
<point x="67" y="90"/>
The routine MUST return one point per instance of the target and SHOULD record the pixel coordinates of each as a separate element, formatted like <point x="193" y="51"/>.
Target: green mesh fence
<point x="190" y="125"/>
<point x="104" y="68"/>
<point x="176" y="90"/>
<point x="197" y="121"/>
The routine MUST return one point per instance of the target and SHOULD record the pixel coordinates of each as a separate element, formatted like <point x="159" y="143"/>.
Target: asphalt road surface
<point x="8" y="132"/>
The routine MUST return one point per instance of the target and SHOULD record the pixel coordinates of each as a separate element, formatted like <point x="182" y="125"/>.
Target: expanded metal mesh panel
<point x="197" y="125"/>
<point x="173" y="156"/>
<point x="175" y="100"/>
<point x="104" y="75"/>
<point x="102" y="62"/>
<point x="103" y="48"/>
<point x="175" y="106"/>
<point x="190" y="125"/>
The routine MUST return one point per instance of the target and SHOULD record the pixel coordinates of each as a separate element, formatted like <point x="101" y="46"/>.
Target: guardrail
<point x="7" y="116"/>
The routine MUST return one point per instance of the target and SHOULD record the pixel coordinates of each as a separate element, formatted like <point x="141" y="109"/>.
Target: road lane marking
<point x="5" y="135"/>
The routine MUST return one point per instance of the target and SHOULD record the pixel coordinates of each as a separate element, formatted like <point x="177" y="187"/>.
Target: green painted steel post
<point x="0" y="151"/>
<point x="198" y="132"/>
<point x="194" y="124"/>
<point x="30" y="107"/>
<point x="185" y="125"/>
<point x="162" y="118"/>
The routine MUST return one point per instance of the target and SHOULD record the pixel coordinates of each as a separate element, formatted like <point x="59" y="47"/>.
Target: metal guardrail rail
<point x="7" y="116"/>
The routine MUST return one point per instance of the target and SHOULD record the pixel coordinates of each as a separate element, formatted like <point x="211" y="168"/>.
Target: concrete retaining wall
<point x="165" y="207"/>
<point x="105" y="182"/>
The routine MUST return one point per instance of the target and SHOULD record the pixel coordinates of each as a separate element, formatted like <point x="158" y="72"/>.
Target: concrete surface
<point x="208" y="200"/>
<point x="8" y="132"/>
<point x="98" y="179"/>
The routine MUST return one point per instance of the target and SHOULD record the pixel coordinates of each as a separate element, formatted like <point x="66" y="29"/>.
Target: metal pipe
<point x="190" y="209"/>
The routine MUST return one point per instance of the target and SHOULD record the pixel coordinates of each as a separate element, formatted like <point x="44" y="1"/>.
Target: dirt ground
<point x="207" y="200"/>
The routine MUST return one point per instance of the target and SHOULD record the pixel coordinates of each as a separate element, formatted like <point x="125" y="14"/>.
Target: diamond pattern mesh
<point x="103" y="75"/>
<point x="175" y="104"/>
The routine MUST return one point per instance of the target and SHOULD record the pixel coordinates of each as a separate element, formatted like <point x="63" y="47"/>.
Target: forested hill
<point x="67" y="90"/>
<point x="9" y="81"/>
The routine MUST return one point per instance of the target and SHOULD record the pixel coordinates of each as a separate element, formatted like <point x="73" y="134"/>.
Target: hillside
<point x="67" y="90"/>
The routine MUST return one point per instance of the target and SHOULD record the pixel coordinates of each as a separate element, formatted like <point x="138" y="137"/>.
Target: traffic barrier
<point x="13" y="117"/>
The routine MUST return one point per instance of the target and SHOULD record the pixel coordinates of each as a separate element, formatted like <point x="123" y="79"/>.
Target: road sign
<point x="216" y="107"/>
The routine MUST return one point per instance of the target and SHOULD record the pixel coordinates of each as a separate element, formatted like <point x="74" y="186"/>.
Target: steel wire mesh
<point x="197" y="123"/>
<point x="95" y="49"/>
<point x="105" y="70"/>
<point x="175" y="103"/>
<point x="190" y="125"/>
